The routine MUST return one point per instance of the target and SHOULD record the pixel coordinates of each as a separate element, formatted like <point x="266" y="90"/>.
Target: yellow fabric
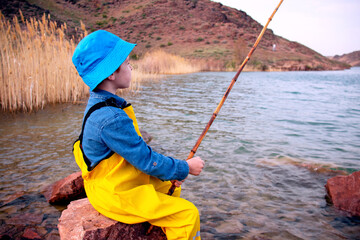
<point x="121" y="192"/>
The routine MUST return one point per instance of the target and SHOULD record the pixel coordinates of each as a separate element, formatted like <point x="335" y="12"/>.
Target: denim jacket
<point x="109" y="129"/>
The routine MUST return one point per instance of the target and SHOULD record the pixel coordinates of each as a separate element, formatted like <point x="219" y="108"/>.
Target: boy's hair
<point x="99" y="55"/>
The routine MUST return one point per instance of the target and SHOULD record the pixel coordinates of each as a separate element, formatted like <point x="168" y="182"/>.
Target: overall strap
<point x="110" y="102"/>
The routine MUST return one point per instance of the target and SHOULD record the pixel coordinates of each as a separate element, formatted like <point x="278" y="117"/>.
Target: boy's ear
<point x="111" y="77"/>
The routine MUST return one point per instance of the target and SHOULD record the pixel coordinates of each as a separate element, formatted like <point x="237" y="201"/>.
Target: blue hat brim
<point x="109" y="64"/>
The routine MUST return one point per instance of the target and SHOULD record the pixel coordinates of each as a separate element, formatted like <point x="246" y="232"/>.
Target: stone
<point x="65" y="190"/>
<point x="11" y="198"/>
<point x="10" y="231"/>
<point x="25" y="219"/>
<point x="146" y="136"/>
<point x="344" y="192"/>
<point x="31" y="234"/>
<point x="80" y="221"/>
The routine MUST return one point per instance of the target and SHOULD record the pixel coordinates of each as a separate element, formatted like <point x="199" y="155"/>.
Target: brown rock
<point x="30" y="234"/>
<point x="65" y="190"/>
<point x="344" y="191"/>
<point x="146" y="136"/>
<point x="81" y="221"/>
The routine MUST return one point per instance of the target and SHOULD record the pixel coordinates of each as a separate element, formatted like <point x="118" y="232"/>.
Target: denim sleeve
<point x="120" y="136"/>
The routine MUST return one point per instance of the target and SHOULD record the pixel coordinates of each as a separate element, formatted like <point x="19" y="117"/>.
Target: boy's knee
<point x="193" y="213"/>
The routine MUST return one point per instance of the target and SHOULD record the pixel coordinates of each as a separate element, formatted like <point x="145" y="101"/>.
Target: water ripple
<point x="268" y="154"/>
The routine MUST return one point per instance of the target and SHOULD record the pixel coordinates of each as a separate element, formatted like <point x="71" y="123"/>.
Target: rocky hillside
<point x="352" y="59"/>
<point x="216" y="35"/>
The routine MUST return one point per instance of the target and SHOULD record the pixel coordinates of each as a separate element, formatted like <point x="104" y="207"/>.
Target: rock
<point x="11" y="198"/>
<point x="146" y="136"/>
<point x="344" y="192"/>
<point x="81" y="221"/>
<point x="65" y="190"/>
<point x="25" y="219"/>
<point x="31" y="234"/>
<point x="10" y="231"/>
<point x="318" y="167"/>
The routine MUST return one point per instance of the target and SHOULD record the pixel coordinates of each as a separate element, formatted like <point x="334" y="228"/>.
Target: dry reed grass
<point x="36" y="67"/>
<point x="161" y="62"/>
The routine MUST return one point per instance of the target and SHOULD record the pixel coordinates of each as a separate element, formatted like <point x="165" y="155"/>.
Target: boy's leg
<point x="178" y="217"/>
<point x="183" y="224"/>
<point x="182" y="220"/>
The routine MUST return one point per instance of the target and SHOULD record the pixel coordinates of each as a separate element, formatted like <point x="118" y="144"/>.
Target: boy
<point x="124" y="179"/>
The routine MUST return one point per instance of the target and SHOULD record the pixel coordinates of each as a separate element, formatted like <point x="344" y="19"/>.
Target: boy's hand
<point x="178" y="183"/>
<point x="195" y="165"/>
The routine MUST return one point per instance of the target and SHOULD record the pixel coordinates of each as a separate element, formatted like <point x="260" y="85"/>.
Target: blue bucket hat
<point x="99" y="55"/>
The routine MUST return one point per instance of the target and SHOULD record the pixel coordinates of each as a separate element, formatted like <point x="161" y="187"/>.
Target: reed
<point x="36" y="67"/>
<point x="161" y="62"/>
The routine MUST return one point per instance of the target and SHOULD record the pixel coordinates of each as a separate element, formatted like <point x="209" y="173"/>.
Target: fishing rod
<point x="215" y="113"/>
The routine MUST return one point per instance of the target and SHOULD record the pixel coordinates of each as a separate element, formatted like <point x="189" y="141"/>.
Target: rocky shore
<point x="81" y="221"/>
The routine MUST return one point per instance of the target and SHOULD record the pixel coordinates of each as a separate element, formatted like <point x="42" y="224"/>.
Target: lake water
<point x="276" y="141"/>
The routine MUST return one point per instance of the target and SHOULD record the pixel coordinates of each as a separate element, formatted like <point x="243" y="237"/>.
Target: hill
<point x="204" y="31"/>
<point x="352" y="58"/>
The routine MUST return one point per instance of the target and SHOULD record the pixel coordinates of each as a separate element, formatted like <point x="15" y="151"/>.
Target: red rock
<point x="81" y="221"/>
<point x="344" y="192"/>
<point x="30" y="234"/>
<point x="65" y="190"/>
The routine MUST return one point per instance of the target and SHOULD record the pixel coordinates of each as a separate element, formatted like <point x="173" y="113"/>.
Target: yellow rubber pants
<point x="121" y="192"/>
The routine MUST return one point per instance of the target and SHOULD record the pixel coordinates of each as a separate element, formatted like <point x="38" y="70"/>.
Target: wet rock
<point x="9" y="231"/>
<point x="28" y="218"/>
<point x="146" y="136"/>
<point x="52" y="235"/>
<point x="344" y="192"/>
<point x="31" y="234"/>
<point x="26" y="213"/>
<point x="229" y="227"/>
<point x="11" y="198"/>
<point x="81" y="221"/>
<point x="5" y="237"/>
<point x="65" y="190"/>
<point x="317" y="167"/>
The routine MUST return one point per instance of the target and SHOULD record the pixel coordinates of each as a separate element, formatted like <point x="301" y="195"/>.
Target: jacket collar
<point x="103" y="95"/>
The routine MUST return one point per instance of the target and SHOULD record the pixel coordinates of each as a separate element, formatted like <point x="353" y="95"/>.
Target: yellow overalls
<point x="121" y="192"/>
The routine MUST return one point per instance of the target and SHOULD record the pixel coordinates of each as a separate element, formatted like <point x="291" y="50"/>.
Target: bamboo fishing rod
<point x="216" y="112"/>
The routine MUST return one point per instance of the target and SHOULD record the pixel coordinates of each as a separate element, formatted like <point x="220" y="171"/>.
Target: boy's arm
<point x="120" y="136"/>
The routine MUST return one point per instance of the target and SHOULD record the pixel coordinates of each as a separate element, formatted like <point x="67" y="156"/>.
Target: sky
<point x="330" y="27"/>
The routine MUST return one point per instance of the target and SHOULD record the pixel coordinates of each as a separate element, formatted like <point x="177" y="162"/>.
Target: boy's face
<point x="123" y="75"/>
